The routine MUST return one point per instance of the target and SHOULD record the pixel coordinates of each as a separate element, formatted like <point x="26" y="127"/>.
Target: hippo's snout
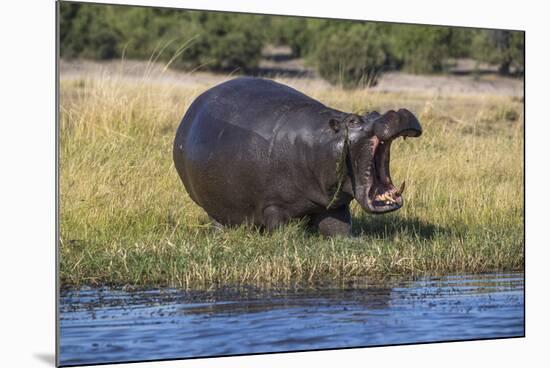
<point x="393" y="124"/>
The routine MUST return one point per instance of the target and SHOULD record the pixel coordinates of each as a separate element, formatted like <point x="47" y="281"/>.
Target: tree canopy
<point x="349" y="53"/>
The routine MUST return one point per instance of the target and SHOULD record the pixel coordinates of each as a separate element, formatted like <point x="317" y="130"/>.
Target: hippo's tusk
<point x="401" y="189"/>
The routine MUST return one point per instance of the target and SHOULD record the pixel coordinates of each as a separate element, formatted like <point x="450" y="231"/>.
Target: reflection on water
<point x="105" y="325"/>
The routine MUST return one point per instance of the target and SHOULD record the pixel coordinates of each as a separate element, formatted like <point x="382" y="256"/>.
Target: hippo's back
<point x="253" y="104"/>
<point x="239" y="137"/>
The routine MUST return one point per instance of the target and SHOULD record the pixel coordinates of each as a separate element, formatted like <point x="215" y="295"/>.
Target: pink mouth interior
<point x="382" y="191"/>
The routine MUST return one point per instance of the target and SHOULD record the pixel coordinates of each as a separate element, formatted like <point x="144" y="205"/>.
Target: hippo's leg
<point x="215" y="224"/>
<point x="333" y="222"/>
<point x="274" y="216"/>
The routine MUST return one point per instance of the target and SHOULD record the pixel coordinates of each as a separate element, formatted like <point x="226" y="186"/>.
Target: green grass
<point x="127" y="220"/>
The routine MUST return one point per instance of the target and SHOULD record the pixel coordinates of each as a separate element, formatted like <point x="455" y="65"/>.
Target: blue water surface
<point x="106" y="325"/>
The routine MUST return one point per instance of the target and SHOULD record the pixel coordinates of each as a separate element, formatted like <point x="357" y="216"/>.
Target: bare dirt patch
<point x="301" y="75"/>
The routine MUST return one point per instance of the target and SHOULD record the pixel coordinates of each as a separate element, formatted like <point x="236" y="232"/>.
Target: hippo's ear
<point x="335" y="124"/>
<point x="371" y="116"/>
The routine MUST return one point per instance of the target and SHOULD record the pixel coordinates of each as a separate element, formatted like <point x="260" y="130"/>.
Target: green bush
<point x="298" y="33"/>
<point x="351" y="56"/>
<point x="504" y="48"/>
<point x="86" y="31"/>
<point x="225" y="42"/>
<point x="213" y="41"/>
<point x="421" y="49"/>
<point x="147" y="33"/>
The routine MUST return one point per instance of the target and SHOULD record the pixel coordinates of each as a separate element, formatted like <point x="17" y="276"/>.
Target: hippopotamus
<point x="254" y="151"/>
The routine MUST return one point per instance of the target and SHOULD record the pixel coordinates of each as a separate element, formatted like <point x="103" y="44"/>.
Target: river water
<point x="107" y="325"/>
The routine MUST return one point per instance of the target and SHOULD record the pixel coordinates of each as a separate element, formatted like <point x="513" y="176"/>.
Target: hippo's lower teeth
<point x="388" y="197"/>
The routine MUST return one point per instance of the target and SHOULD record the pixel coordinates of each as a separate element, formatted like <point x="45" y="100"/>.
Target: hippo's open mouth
<point x="374" y="189"/>
<point x="382" y="195"/>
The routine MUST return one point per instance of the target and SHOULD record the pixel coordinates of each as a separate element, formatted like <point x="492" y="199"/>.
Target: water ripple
<point x="105" y="325"/>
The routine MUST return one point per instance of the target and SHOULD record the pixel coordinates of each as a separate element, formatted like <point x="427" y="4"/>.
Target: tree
<point x="505" y="48"/>
<point x="226" y="42"/>
<point x="85" y="31"/>
<point x="421" y="49"/>
<point x="351" y="56"/>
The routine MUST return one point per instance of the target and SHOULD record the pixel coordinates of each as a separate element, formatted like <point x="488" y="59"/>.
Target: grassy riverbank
<point x="127" y="220"/>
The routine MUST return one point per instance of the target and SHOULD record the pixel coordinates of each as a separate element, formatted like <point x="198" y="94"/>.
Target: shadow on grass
<point x="385" y="226"/>
<point x="388" y="226"/>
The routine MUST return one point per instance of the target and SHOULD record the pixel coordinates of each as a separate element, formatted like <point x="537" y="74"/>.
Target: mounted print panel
<point x="237" y="183"/>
